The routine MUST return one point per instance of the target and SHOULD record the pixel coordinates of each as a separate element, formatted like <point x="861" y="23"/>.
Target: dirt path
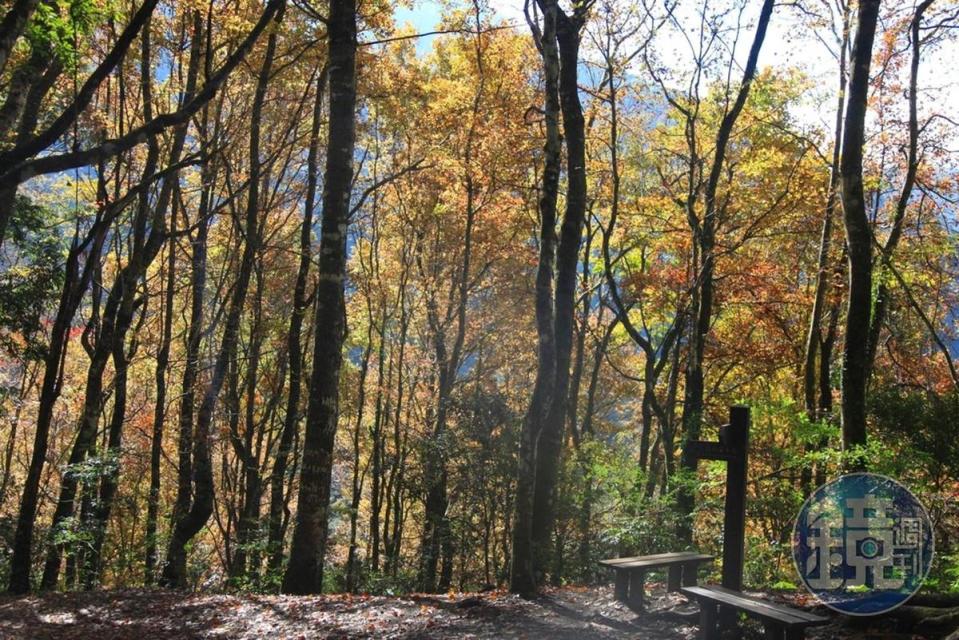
<point x="563" y="614"/>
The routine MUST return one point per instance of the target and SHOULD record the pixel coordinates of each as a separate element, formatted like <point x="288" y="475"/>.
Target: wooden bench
<point x="780" y="622"/>
<point x="682" y="568"/>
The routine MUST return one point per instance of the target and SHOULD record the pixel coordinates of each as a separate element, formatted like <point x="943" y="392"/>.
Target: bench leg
<point x="795" y="633"/>
<point x="637" y="584"/>
<point x="690" y="576"/>
<point x="675" y="577"/>
<point x="729" y="621"/>
<point x="708" y="629"/>
<point x="773" y="631"/>
<point x="622" y="585"/>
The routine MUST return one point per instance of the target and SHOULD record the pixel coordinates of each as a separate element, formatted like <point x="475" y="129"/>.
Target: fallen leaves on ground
<point x="569" y="613"/>
<point x="560" y="614"/>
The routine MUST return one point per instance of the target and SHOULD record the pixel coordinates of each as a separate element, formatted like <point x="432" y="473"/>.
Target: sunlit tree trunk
<point x="436" y="548"/>
<point x="76" y="280"/>
<point x="159" y="410"/>
<point x="352" y="561"/>
<point x="110" y="338"/>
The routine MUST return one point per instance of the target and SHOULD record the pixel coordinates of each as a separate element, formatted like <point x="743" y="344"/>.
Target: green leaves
<point x="30" y="281"/>
<point x="58" y="27"/>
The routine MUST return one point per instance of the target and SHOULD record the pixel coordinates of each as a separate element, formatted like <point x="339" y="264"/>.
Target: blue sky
<point x="424" y="17"/>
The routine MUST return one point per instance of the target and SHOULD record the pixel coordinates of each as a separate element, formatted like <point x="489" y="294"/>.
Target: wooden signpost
<point x="733" y="448"/>
<point x="719" y="606"/>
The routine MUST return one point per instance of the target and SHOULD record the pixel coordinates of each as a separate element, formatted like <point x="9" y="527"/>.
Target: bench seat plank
<point x="659" y="560"/>
<point x="668" y="555"/>
<point x="765" y="611"/>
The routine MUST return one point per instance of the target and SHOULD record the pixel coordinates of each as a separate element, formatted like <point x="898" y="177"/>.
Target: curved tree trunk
<point x="883" y="293"/>
<point x="159" y="412"/>
<point x="704" y="233"/>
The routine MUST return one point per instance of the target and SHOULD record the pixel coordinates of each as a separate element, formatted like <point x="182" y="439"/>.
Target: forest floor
<point x="561" y="614"/>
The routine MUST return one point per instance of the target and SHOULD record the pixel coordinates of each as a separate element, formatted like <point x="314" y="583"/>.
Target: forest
<point x="392" y="300"/>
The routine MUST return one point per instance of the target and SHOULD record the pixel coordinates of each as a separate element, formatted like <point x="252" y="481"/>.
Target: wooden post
<point x="675" y="579"/>
<point x="622" y="585"/>
<point x="733" y="448"/>
<point x="637" y="588"/>
<point x="736" y="438"/>
<point x="773" y="631"/>
<point x="707" y="620"/>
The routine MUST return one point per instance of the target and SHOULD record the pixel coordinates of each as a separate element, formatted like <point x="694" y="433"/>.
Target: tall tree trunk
<point x="523" y="579"/>
<point x="376" y="436"/>
<point x="141" y="262"/>
<point x="110" y="340"/>
<point x="304" y="573"/>
<point x="858" y="237"/>
<point x="191" y="369"/>
<point x="291" y="418"/>
<point x="436" y="530"/>
<point x="582" y="328"/>
<point x="244" y="447"/>
<point x="116" y="318"/>
<point x="883" y="293"/>
<point x="352" y="560"/>
<point x="704" y="232"/>
<point x="549" y="445"/>
<point x="92" y="567"/>
<point x="437" y="544"/>
<point x="706" y="238"/>
<point x="159" y="411"/>
<point x="815" y="337"/>
<point x="394" y="483"/>
<point x="198" y="264"/>
<point x="577" y="427"/>
<point x="75" y="283"/>
<point x="381" y="412"/>
<point x="352" y="564"/>
<point x="825" y="363"/>
<point x="188" y="523"/>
